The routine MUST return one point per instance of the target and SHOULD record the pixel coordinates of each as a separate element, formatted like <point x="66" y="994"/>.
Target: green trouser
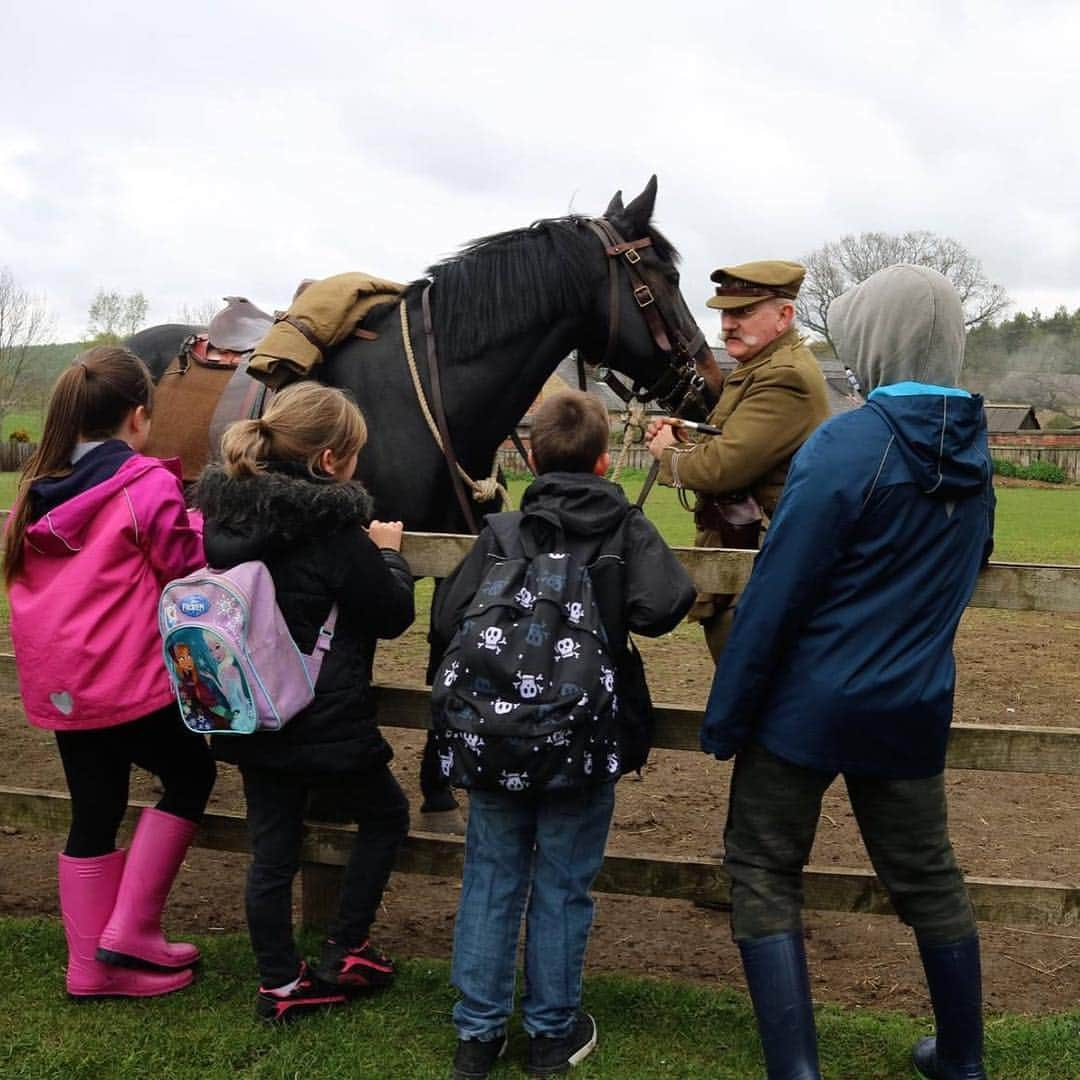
<point x="717" y="630"/>
<point x="773" y="815"/>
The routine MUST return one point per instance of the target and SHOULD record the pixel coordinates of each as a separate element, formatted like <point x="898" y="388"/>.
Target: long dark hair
<point x="90" y="401"/>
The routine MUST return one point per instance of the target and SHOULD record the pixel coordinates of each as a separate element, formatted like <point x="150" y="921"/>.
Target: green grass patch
<point x="1032" y="524"/>
<point x="28" y="420"/>
<point x="648" y="1029"/>
<point x="1037" y="525"/>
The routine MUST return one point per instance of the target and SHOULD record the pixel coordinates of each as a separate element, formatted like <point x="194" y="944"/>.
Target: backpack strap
<point x="608" y="573"/>
<point x="323" y="642"/>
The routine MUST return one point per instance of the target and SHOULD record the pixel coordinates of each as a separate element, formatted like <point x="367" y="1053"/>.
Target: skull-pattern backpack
<point x="526" y="697"/>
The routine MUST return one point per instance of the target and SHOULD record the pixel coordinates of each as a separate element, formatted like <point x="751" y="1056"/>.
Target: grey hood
<point x="902" y="324"/>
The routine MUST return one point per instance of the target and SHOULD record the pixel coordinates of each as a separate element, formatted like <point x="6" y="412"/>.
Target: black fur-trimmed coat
<point x="310" y="533"/>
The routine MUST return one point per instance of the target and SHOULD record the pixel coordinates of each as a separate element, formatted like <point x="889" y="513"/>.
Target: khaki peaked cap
<point x="740" y="286"/>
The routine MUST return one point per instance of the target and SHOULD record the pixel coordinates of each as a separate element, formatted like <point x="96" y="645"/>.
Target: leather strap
<point x="439" y="411"/>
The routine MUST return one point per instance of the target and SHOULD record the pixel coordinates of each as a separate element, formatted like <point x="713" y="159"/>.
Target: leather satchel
<point x="737" y="518"/>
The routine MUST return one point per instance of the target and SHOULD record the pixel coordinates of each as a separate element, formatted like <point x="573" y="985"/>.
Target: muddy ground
<point x="1014" y="668"/>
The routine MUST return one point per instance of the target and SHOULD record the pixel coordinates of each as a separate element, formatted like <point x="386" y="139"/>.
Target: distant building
<point x="1003" y="419"/>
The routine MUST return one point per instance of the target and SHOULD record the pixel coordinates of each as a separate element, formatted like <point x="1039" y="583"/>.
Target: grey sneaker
<point x="474" y="1059"/>
<point x="551" y="1056"/>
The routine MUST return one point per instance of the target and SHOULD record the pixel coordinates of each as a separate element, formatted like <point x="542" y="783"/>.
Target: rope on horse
<point x="483" y="490"/>
<point x="635" y="421"/>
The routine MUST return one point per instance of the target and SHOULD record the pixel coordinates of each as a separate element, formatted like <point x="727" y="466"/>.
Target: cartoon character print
<point x="473" y="741"/>
<point x="205" y="706"/>
<point x="575" y="611"/>
<point x="613" y="764"/>
<point x="493" y="639"/>
<point x="567" y="649"/>
<point x="558" y="738"/>
<point x="514" y="781"/>
<point x="525" y="598"/>
<point x="492" y="588"/>
<point x="446" y="761"/>
<point x="607" y="677"/>
<point x="502" y="706"/>
<point x="528" y="686"/>
<point x="450" y="675"/>
<point x="232" y="682"/>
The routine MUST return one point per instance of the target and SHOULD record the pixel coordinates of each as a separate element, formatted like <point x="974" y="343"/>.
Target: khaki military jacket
<point x="767" y="409"/>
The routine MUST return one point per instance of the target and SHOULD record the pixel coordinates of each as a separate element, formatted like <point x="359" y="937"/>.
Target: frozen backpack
<point x="525" y="698"/>
<point x="232" y="661"/>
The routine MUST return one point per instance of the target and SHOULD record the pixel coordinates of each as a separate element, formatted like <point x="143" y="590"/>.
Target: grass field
<point x="28" y="420"/>
<point x="648" y="1029"/>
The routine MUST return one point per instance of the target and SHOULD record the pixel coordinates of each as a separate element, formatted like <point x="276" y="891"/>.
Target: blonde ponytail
<point x="301" y="422"/>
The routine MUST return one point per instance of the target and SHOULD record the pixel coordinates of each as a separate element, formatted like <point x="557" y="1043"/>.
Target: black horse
<point x="504" y="311"/>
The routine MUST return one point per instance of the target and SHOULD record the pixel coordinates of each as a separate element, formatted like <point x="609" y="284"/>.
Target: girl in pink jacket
<point x="96" y="531"/>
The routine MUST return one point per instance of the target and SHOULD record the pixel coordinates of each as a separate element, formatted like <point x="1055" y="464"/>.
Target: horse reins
<point x="435" y="415"/>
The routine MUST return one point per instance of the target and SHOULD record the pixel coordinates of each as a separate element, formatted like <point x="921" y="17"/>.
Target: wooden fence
<point x="13" y="454"/>
<point x="1013" y="748"/>
<point x="636" y="457"/>
<point x="1066" y="458"/>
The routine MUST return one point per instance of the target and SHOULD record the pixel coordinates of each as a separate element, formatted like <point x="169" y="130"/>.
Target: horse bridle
<point x="681" y="381"/>
<point x="674" y="390"/>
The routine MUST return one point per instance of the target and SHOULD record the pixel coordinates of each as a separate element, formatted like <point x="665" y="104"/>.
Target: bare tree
<point x="24" y="323"/>
<point x="106" y="316"/>
<point x="836" y="266"/>
<point x="112" y="316"/>
<point x="198" y="314"/>
<point x="136" y="307"/>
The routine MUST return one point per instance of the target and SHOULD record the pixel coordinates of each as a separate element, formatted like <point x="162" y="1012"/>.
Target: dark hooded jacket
<point x="840" y="657"/>
<point x="310" y="534"/>
<point x="647" y="592"/>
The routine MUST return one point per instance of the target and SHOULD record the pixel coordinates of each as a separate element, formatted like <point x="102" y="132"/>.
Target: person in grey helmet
<point x="840" y="660"/>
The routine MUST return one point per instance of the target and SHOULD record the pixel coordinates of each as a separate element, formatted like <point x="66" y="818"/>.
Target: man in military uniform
<point x="767" y="407"/>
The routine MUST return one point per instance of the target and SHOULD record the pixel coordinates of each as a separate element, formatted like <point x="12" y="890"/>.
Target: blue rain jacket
<point x="840" y="657"/>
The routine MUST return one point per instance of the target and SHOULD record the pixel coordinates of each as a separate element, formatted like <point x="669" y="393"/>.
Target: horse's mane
<point x="497" y="285"/>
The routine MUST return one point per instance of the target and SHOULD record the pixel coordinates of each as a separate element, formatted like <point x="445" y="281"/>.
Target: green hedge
<point x="1046" y="471"/>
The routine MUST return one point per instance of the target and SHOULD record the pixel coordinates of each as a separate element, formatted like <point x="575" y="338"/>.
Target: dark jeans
<point x="98" y="763"/>
<point x="772" y="818"/>
<point x="276" y="803"/>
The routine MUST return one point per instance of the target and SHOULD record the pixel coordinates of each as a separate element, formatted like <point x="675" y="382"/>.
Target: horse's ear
<point x="640" y="211"/>
<point x="615" y="206"/>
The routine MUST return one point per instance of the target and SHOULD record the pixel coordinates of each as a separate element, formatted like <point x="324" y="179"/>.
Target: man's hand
<point x="659" y="437"/>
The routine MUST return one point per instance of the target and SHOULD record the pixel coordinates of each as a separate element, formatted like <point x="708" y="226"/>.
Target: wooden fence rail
<point x="1013" y="748"/>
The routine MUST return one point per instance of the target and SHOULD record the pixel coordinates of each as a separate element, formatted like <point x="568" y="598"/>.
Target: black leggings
<point x="276" y="805"/>
<point x="98" y="763"/>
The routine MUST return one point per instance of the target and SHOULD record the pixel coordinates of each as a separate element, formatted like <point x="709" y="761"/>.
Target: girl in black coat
<point x="284" y="495"/>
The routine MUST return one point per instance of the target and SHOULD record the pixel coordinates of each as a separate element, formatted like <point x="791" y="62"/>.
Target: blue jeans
<point x="556" y="844"/>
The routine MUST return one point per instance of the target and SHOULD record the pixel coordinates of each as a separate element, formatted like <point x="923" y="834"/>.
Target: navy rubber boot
<point x="954" y="978"/>
<point x="775" y="968"/>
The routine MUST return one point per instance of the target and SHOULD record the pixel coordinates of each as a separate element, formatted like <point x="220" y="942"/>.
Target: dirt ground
<point x="1014" y="668"/>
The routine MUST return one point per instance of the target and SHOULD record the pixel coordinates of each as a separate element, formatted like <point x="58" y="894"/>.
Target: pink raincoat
<point x="84" y="606"/>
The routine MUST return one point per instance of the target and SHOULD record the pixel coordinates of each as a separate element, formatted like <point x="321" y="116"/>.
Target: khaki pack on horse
<point x="486" y="328"/>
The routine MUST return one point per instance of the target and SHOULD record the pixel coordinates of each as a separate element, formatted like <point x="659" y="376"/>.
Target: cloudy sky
<point x="201" y="149"/>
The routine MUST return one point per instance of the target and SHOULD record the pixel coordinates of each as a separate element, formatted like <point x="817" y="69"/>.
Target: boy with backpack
<point x="539" y="705"/>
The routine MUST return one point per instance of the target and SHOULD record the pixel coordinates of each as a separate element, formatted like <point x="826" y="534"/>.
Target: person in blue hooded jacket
<point x="841" y="661"/>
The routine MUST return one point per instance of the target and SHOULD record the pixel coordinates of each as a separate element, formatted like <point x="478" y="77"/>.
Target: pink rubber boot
<point x="88" y="890"/>
<point x="133" y="937"/>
